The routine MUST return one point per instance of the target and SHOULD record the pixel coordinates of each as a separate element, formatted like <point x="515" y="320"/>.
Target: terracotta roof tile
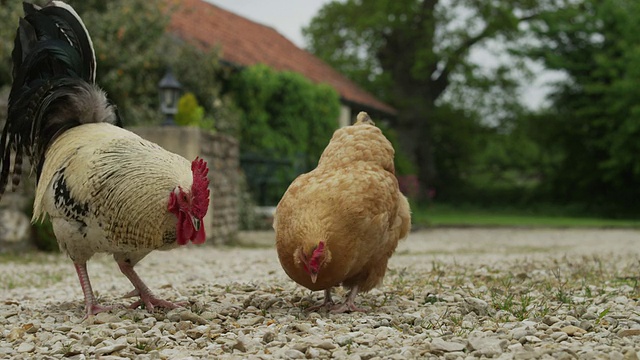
<point x="244" y="42"/>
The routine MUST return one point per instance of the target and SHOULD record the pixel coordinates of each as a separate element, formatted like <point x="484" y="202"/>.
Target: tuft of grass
<point x="448" y="216"/>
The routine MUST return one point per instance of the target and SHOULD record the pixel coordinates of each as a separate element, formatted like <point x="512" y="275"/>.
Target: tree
<point x="129" y="39"/>
<point x="133" y="51"/>
<point x="410" y="52"/>
<point x="594" y="121"/>
<point x="10" y="12"/>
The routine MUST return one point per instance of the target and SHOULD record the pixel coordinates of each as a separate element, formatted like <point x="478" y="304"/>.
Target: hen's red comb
<point x="200" y="187"/>
<point x="314" y="263"/>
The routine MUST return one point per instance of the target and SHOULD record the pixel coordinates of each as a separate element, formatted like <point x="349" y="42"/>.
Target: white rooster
<point x="104" y="188"/>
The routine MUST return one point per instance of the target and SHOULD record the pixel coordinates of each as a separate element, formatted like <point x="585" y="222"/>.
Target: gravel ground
<point x="449" y="293"/>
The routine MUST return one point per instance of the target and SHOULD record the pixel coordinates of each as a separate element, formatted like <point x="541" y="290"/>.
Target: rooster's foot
<point x="95" y="309"/>
<point x="152" y="302"/>
<point x="132" y="293"/>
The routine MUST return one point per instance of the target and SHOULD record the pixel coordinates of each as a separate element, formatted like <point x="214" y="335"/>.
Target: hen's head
<point x="313" y="257"/>
<point x="191" y="205"/>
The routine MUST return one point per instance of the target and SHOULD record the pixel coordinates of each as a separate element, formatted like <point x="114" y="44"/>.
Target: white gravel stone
<point x="438" y="344"/>
<point x="110" y="349"/>
<point x="26" y="347"/>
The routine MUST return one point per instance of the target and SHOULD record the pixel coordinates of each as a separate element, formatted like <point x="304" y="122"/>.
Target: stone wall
<point x="15" y="224"/>
<point x="224" y="172"/>
<point x="15" y="227"/>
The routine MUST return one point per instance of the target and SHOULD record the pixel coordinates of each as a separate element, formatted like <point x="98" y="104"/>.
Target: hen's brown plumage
<point x="352" y="204"/>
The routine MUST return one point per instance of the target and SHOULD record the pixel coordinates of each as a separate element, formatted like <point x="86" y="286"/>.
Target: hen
<point x="104" y="188"/>
<point x="341" y="222"/>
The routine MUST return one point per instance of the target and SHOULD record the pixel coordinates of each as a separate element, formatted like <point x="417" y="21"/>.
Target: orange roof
<point x="244" y="42"/>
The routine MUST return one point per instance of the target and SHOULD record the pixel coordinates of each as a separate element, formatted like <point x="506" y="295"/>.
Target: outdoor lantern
<point x="169" y="88"/>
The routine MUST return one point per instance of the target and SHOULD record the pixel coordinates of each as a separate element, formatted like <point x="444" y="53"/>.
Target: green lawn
<point x="451" y="216"/>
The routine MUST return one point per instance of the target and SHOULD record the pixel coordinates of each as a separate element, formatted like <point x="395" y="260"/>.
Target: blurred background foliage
<point x="464" y="133"/>
<point x="470" y="134"/>
<point x="286" y="123"/>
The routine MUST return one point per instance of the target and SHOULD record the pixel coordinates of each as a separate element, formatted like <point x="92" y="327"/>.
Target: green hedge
<point x="286" y="121"/>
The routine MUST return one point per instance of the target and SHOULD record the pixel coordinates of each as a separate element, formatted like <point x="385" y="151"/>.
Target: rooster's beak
<point x="314" y="277"/>
<point x="196" y="223"/>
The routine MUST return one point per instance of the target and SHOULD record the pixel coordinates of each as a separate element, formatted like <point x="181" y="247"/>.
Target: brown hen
<point x="340" y="223"/>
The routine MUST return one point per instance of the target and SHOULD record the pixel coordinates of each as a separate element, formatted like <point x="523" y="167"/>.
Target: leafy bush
<point x="402" y="163"/>
<point x="286" y="121"/>
<point x="190" y="113"/>
<point x="42" y="234"/>
<point x="43" y="237"/>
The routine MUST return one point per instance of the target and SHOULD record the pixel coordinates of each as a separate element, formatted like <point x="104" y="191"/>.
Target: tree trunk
<point x="414" y="129"/>
<point x="413" y="96"/>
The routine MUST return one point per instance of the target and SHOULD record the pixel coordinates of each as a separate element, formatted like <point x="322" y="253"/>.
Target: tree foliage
<point x="10" y="12"/>
<point x="410" y="52"/>
<point x="284" y="117"/>
<point x="128" y="37"/>
<point x="594" y="121"/>
<point x="133" y="51"/>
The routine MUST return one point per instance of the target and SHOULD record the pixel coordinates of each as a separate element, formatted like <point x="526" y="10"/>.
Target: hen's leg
<point x="91" y="305"/>
<point x="327" y="303"/>
<point x="349" y="304"/>
<point x="146" y="296"/>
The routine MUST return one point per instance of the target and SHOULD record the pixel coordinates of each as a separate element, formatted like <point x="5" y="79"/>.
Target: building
<point x="244" y="43"/>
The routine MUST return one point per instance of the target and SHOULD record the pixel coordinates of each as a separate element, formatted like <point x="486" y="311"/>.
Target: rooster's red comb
<point x="200" y="187"/>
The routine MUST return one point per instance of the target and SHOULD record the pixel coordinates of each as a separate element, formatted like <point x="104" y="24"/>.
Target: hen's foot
<point x="95" y="309"/>
<point x="326" y="304"/>
<point x="349" y="304"/>
<point x="346" y="307"/>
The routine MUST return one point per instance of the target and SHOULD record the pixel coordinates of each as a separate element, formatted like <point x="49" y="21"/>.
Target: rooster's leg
<point x="146" y="296"/>
<point x="91" y="305"/>
<point x="327" y="303"/>
<point x="349" y="304"/>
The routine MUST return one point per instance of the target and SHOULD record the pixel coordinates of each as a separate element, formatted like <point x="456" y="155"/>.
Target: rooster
<point x="341" y="222"/>
<point x="105" y="189"/>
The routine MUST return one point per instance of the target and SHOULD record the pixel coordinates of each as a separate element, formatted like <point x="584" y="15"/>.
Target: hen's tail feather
<point x="53" y="87"/>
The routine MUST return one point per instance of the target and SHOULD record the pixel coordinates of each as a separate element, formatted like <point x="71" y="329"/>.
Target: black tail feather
<point x="72" y="29"/>
<point x="53" y="87"/>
